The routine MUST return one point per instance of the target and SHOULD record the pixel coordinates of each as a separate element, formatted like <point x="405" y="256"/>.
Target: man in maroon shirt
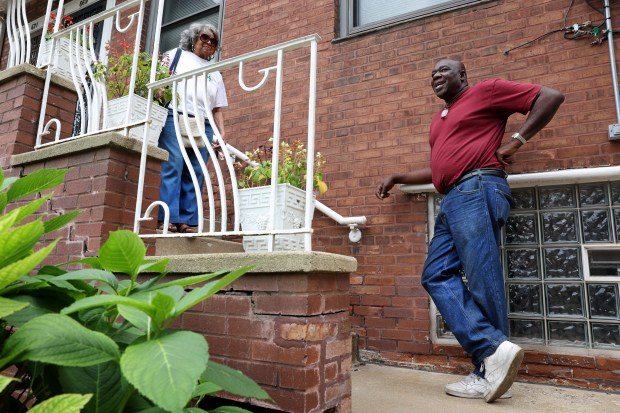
<point x="467" y="166"/>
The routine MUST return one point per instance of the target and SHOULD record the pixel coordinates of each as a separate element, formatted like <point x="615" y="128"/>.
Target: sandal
<point x="186" y="229"/>
<point x="171" y="227"/>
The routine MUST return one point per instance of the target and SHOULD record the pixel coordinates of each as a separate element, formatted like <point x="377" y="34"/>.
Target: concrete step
<point x="195" y="245"/>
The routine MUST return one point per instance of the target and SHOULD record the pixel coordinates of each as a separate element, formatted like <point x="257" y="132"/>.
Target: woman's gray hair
<point x="190" y="35"/>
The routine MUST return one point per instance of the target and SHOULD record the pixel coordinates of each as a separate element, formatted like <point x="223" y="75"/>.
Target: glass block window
<point x="561" y="258"/>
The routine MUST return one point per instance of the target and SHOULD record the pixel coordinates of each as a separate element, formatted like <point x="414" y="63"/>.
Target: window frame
<point x="150" y="36"/>
<point x="347" y="18"/>
<point x="585" y="249"/>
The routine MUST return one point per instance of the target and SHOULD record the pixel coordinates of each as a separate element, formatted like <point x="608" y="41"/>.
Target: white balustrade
<point x="18" y="33"/>
<point x="221" y="214"/>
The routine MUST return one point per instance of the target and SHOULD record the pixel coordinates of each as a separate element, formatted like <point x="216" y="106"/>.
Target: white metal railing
<point x="219" y="214"/>
<point x="18" y="33"/>
<point x="68" y="52"/>
<point x="273" y="60"/>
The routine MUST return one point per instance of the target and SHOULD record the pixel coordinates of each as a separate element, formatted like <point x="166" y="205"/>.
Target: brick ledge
<point x="63" y="149"/>
<point x="27" y="68"/>
<point x="265" y="262"/>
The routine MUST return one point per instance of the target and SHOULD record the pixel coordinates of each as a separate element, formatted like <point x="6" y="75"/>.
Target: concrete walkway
<point x="383" y="389"/>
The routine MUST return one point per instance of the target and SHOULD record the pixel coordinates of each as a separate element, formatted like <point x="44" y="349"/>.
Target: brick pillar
<point x="21" y="92"/>
<point x="285" y="324"/>
<point x="102" y="182"/>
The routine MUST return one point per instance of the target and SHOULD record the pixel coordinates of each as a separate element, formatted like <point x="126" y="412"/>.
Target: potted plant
<point x="254" y="179"/>
<point x="116" y="75"/>
<point x="63" y="48"/>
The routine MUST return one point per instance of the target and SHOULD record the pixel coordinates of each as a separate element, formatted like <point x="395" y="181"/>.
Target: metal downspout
<point x="612" y="58"/>
<point x="614" y="129"/>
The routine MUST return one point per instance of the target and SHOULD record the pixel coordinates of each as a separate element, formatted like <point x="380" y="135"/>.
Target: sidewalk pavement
<point x="386" y="389"/>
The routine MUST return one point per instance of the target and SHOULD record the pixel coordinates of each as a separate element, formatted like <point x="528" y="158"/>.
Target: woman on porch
<point x="197" y="48"/>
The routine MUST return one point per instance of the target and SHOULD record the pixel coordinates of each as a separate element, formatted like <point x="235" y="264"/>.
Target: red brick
<point x="290" y="304"/>
<point x="298" y="378"/>
<point x="292" y="356"/>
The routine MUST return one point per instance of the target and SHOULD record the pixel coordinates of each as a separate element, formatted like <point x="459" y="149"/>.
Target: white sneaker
<point x="472" y="387"/>
<point x="501" y="368"/>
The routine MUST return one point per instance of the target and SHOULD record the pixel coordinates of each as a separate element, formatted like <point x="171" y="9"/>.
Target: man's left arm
<point x="542" y="111"/>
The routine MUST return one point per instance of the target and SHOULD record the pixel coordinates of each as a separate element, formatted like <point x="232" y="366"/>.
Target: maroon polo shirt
<point x="472" y="130"/>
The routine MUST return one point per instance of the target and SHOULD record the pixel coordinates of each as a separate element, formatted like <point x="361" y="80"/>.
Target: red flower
<point x="65" y="22"/>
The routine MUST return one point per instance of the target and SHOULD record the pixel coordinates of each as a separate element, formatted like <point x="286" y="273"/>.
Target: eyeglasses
<point x="208" y="39"/>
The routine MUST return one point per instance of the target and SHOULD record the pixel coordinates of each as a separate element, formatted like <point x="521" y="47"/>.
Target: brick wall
<point x="374" y="105"/>
<point x="373" y="112"/>
<point x="102" y="182"/>
<point x="21" y="89"/>
<point x="287" y="331"/>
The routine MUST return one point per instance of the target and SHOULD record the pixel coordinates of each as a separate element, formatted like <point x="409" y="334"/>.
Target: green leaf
<point x="3" y="201"/>
<point x="206" y="388"/>
<point x="8" y="220"/>
<point x="186" y="281"/>
<point x="124" y="252"/>
<point x="166" y="369"/>
<point x="104" y="381"/>
<point x="92" y="261"/>
<point x="17" y="244"/>
<point x="105" y="300"/>
<point x="22" y="267"/>
<point x="8" y="307"/>
<point x="5" y="381"/>
<point x="91" y="274"/>
<point x="37" y="305"/>
<point x="35" y="182"/>
<point x="154" y="266"/>
<point x="32" y="207"/>
<point x="65" y="403"/>
<point x="60" y="340"/>
<point x="233" y="381"/>
<point x="148" y="285"/>
<point x="162" y="300"/>
<point x="64" y="285"/>
<point x="60" y="221"/>
<point x="207" y="290"/>
<point x="229" y="409"/>
<point x="51" y="270"/>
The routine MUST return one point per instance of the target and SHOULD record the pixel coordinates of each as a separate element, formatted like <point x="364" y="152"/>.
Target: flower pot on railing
<point x="117" y="113"/>
<point x="61" y="61"/>
<point x="255" y="215"/>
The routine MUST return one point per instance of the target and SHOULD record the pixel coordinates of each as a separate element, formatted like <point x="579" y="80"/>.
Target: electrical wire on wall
<point x="596" y="32"/>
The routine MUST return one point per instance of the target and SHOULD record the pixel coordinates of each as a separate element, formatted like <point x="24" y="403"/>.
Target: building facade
<point x="561" y="248"/>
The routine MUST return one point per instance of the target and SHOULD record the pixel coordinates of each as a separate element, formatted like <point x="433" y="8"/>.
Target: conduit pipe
<point x="614" y="129"/>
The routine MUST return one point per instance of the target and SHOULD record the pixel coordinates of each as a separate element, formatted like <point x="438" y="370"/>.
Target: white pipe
<point x="141" y="177"/>
<point x="277" y="113"/>
<point x="563" y="177"/>
<point x="612" y="58"/>
<point x="311" y="131"/>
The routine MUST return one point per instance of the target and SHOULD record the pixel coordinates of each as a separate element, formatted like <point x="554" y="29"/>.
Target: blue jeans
<point x="466" y="240"/>
<point x="176" y="188"/>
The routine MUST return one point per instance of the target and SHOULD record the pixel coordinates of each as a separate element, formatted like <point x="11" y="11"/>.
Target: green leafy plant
<point x="117" y="73"/>
<point x="292" y="162"/>
<point x="98" y="339"/>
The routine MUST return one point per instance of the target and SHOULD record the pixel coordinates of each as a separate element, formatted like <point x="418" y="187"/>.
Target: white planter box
<point x="61" y="62"/>
<point x="254" y="210"/>
<point x="117" y="111"/>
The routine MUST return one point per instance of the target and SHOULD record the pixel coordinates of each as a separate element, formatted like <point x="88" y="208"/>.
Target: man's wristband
<point x="518" y="137"/>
